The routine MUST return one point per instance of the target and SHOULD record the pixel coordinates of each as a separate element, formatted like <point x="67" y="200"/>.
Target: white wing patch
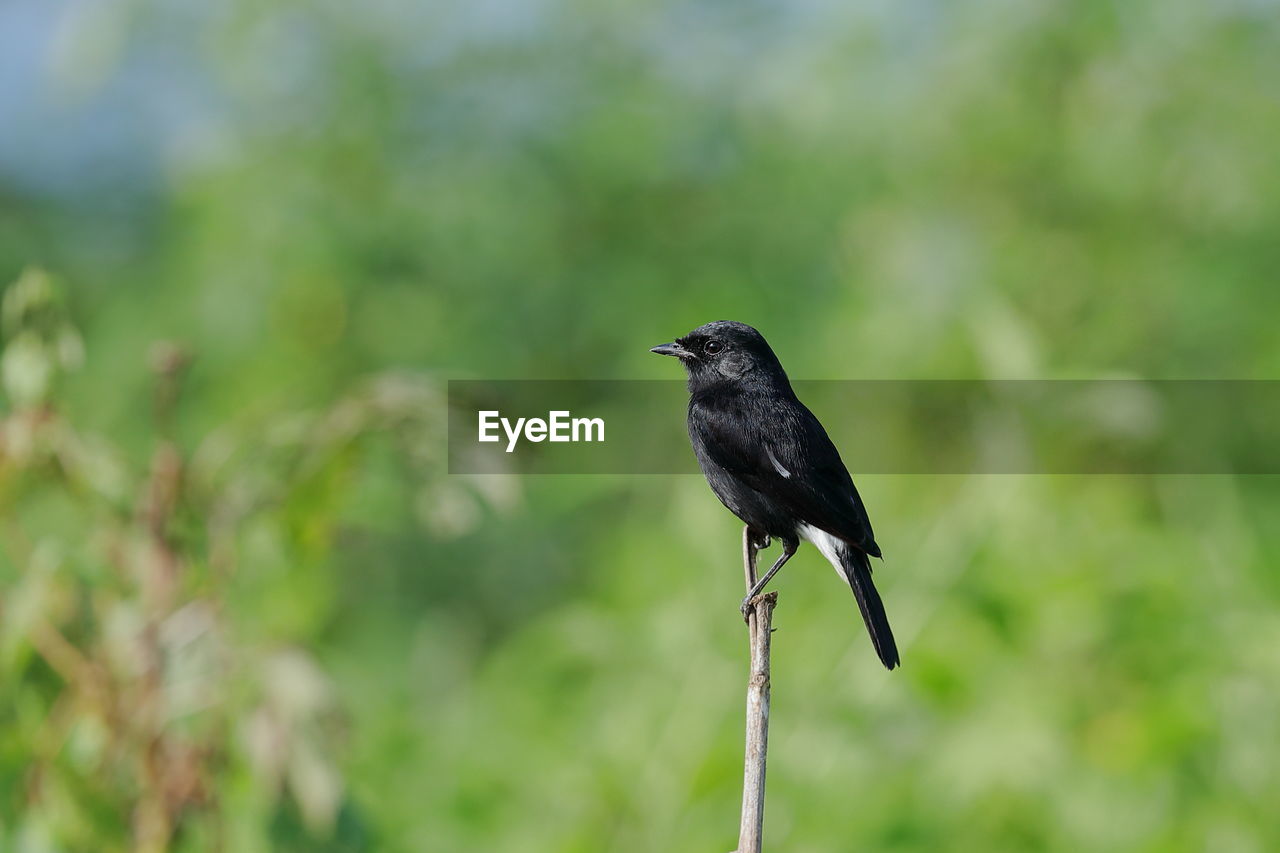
<point x="777" y="466"/>
<point x="831" y="547"/>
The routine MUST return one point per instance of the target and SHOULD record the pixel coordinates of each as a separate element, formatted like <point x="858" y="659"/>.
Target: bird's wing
<point x="782" y="451"/>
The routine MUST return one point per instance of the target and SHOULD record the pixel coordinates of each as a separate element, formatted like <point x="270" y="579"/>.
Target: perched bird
<point x="770" y="462"/>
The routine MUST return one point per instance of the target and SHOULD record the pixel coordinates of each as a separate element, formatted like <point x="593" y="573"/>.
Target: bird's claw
<point x="747" y="606"/>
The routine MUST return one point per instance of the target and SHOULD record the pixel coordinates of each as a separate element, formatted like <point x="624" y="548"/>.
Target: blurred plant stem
<point x="157" y="714"/>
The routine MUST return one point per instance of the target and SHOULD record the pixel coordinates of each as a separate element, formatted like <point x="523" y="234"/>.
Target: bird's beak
<point x="671" y="349"/>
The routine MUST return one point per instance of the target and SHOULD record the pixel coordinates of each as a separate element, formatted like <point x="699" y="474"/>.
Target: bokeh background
<point x="243" y="607"/>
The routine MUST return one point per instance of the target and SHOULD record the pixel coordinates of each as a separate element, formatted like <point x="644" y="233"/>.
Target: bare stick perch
<point x="760" y="623"/>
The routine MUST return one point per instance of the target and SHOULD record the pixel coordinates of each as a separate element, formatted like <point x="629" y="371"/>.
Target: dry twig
<point x="760" y="624"/>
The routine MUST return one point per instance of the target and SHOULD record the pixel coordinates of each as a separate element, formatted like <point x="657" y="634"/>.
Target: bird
<point x="770" y="462"/>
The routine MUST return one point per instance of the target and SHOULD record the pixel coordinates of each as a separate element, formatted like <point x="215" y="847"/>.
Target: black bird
<point x="771" y="463"/>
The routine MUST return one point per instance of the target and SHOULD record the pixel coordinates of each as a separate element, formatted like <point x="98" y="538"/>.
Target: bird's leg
<point x="789" y="547"/>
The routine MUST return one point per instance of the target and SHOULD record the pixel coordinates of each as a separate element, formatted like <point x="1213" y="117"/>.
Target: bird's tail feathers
<point x="857" y="570"/>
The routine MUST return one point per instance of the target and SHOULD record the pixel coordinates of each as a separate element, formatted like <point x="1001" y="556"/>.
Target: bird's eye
<point x="712" y="347"/>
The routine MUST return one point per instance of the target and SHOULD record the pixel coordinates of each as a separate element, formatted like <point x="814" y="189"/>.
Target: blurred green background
<point x="244" y="608"/>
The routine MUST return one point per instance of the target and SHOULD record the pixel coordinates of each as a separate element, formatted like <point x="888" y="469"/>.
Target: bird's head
<point x="725" y="351"/>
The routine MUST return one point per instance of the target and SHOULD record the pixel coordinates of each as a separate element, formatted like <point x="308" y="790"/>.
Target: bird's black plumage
<point x="771" y="463"/>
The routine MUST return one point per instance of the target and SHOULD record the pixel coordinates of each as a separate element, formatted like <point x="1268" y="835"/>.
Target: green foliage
<point x="153" y="648"/>
<point x="243" y="606"/>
